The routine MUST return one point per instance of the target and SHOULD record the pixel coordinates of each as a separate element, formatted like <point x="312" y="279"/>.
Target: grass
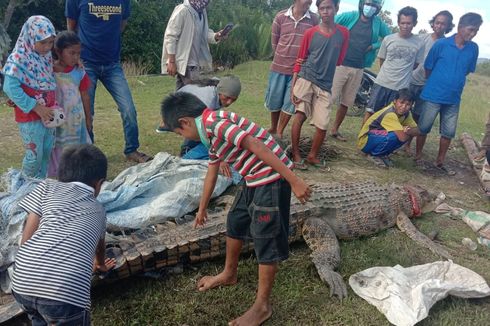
<point x="299" y="296"/>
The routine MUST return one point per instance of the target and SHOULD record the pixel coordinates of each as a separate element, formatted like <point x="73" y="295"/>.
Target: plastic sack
<point x="405" y="295"/>
<point x="478" y="221"/>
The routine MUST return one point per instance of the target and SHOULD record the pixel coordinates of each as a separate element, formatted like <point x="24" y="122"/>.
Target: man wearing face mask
<point x="366" y="32"/>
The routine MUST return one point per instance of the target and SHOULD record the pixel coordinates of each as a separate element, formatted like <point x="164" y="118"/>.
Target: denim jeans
<point x="50" y="312"/>
<point x="448" y="115"/>
<point x="112" y="77"/>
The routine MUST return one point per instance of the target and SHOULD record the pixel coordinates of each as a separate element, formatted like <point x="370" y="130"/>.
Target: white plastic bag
<point x="405" y="295"/>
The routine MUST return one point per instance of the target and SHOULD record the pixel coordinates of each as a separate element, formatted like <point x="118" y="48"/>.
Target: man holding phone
<point x="188" y="25"/>
<point x="185" y="52"/>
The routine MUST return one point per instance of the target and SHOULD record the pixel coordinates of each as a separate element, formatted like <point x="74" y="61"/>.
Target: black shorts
<point x="261" y="214"/>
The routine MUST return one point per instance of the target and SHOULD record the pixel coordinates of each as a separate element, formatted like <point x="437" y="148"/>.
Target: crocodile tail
<point x="406" y="226"/>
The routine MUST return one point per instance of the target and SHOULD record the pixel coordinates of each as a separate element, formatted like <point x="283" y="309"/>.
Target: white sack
<point x="405" y="295"/>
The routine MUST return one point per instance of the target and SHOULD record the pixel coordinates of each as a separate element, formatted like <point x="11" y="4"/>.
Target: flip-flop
<point x="338" y="136"/>
<point x="322" y="165"/>
<point x="387" y="161"/>
<point x="442" y="168"/>
<point x="301" y="165"/>
<point x="377" y="161"/>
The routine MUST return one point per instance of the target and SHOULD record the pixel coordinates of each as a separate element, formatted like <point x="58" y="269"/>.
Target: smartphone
<point x="227" y="29"/>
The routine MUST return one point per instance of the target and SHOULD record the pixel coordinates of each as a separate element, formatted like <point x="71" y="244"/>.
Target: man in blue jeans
<point x="448" y="63"/>
<point x="100" y="24"/>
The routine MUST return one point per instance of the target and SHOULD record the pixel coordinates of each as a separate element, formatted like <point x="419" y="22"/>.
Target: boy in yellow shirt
<point x="388" y="129"/>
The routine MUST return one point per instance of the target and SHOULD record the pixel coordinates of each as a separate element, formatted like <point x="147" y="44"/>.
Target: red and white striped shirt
<point x="226" y="131"/>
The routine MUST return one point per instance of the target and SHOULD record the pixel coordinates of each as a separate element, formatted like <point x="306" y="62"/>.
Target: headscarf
<point x="24" y="63"/>
<point x="199" y="5"/>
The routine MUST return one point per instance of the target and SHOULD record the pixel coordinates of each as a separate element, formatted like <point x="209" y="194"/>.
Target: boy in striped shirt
<point x="261" y="208"/>
<point x="64" y="231"/>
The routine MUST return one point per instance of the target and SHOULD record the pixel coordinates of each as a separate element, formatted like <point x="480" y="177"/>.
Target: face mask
<point x="368" y="11"/>
<point x="202" y="132"/>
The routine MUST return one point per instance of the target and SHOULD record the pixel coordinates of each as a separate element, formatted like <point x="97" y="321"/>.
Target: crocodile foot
<point x="335" y="282"/>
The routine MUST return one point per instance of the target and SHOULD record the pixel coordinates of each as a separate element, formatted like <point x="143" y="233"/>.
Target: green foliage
<point x="143" y="37"/>
<point x="483" y="68"/>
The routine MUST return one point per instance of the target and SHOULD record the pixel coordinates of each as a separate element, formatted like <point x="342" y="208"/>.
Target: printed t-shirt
<point x="99" y="27"/>
<point x="400" y="56"/>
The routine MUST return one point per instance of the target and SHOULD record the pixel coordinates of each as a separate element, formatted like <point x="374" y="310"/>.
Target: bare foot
<point x="210" y="282"/>
<point x="255" y="316"/>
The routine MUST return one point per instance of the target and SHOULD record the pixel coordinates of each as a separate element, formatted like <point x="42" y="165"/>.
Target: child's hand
<point x="201" y="218"/>
<point x="294" y="99"/>
<point x="224" y="169"/>
<point x="10" y="103"/>
<point x="109" y="264"/>
<point x="44" y="112"/>
<point x="301" y="190"/>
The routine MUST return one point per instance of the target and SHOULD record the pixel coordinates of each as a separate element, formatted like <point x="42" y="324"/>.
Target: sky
<point x="428" y="8"/>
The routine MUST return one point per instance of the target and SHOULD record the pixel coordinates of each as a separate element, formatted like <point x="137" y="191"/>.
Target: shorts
<point x="380" y="98"/>
<point x="261" y="214"/>
<point x="418" y="105"/>
<point x="315" y="102"/>
<point x="278" y="95"/>
<point x="448" y="115"/>
<point x="381" y="143"/>
<point x="345" y="85"/>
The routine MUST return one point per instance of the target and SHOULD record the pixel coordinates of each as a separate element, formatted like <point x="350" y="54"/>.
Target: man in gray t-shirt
<point x="399" y="54"/>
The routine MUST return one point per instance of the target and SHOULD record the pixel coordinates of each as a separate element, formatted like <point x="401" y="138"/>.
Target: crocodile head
<point x="422" y="198"/>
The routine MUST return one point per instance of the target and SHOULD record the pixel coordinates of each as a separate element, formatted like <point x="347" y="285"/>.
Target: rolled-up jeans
<point x="112" y="77"/>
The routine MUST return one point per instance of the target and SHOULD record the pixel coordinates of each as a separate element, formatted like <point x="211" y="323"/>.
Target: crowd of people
<point x="318" y="61"/>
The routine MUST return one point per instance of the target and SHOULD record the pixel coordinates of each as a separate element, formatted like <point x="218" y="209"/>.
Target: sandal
<point x="338" y="136"/>
<point x="138" y="157"/>
<point x="301" y="165"/>
<point x="322" y="165"/>
<point x="442" y="168"/>
<point x="387" y="161"/>
<point x="377" y="161"/>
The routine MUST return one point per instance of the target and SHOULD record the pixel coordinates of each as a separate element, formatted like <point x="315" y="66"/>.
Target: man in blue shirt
<point x="100" y="24"/>
<point x="448" y="63"/>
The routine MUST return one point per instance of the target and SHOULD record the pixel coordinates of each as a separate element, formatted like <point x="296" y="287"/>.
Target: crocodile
<point x="334" y="211"/>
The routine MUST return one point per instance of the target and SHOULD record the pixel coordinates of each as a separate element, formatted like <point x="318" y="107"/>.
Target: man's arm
<point x="124" y="23"/>
<point x="31" y="226"/>
<point x="71" y="24"/>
